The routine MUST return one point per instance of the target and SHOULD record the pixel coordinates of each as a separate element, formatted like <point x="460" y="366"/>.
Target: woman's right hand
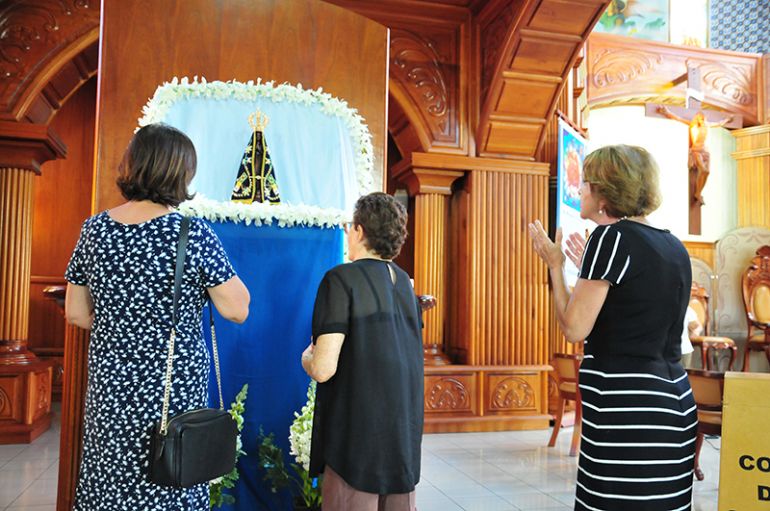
<point x="549" y="251"/>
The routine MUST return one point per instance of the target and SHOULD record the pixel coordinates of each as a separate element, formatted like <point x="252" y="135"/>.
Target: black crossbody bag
<point x="199" y="445"/>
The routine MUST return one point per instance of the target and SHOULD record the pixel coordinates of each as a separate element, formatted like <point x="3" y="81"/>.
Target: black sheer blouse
<point x="369" y="416"/>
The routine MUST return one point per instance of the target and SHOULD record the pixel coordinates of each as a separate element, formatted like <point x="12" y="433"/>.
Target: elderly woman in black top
<point x="367" y="357"/>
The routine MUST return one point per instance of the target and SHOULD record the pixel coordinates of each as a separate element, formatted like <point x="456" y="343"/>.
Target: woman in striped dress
<point x="639" y="416"/>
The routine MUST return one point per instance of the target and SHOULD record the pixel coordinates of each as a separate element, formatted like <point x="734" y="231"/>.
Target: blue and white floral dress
<point x="129" y="270"/>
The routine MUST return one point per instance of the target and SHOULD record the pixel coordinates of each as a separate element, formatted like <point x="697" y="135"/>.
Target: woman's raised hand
<point x="576" y="245"/>
<point x="549" y="251"/>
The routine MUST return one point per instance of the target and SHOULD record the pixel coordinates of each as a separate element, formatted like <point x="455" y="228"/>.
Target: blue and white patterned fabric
<point x="312" y="152"/>
<point x="740" y="25"/>
<point x="129" y="270"/>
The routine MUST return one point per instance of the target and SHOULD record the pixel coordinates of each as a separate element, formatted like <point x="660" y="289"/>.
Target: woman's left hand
<point x="549" y="251"/>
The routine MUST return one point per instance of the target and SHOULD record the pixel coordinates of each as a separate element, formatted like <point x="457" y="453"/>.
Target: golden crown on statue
<point x="258" y="120"/>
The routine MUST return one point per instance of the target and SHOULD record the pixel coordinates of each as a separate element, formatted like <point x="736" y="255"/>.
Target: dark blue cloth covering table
<point x="282" y="268"/>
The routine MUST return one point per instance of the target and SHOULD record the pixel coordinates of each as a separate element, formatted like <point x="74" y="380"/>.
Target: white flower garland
<point x="284" y="215"/>
<point x="177" y="90"/>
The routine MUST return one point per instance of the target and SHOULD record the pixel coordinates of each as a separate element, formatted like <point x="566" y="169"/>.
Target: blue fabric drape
<point x="282" y="269"/>
<point x="312" y="152"/>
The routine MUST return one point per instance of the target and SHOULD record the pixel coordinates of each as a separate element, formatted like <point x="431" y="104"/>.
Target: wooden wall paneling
<point x="222" y="30"/>
<point x="507" y="283"/>
<point x="704" y="250"/>
<point x="623" y="70"/>
<point x="73" y="402"/>
<point x="62" y="201"/>
<point x="528" y="47"/>
<point x="752" y="156"/>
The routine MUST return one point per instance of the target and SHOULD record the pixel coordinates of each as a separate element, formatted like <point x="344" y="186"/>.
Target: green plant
<point x="271" y="456"/>
<point x="218" y="497"/>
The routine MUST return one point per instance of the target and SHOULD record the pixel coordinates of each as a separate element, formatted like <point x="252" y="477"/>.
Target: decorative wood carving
<point x="528" y="49"/>
<point x="27" y="412"/>
<point x="418" y="65"/>
<point x="513" y="392"/>
<point x="623" y="70"/>
<point x="447" y="394"/>
<point x="429" y="68"/>
<point x="5" y="404"/>
<point x="613" y="66"/>
<point x="486" y="398"/>
<point x="37" y="39"/>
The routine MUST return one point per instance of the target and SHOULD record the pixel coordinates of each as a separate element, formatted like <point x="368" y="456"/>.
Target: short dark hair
<point x="158" y="165"/>
<point x="383" y="220"/>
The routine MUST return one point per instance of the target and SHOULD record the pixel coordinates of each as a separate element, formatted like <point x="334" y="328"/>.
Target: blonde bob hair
<point x="626" y="177"/>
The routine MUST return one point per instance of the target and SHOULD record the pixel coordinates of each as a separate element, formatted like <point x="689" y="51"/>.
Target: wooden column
<point x="25" y="381"/>
<point x="431" y="187"/>
<point x="753" y="175"/>
<point x="73" y="400"/>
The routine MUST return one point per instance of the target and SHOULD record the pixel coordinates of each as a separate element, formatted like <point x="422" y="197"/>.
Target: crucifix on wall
<point x="698" y="121"/>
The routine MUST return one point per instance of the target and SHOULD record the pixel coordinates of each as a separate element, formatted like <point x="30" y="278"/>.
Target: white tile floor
<point x="509" y="471"/>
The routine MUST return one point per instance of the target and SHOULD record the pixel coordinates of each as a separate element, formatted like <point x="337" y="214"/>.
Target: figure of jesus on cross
<point x="698" y="122"/>
<point x="698" y="160"/>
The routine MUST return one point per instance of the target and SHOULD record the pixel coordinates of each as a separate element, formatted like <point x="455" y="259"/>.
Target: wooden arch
<point x="48" y="49"/>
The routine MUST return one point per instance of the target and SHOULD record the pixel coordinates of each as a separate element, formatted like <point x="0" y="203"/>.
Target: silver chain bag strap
<point x="196" y="446"/>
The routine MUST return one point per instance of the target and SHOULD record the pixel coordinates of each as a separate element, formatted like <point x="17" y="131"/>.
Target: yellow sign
<point x="744" y="470"/>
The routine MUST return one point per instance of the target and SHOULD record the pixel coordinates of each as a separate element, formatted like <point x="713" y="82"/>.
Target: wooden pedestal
<point x="25" y="401"/>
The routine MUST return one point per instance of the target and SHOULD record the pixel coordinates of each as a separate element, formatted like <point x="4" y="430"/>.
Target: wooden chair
<point x="756" y="300"/>
<point x="567" y="368"/>
<point x="707" y="389"/>
<point x="699" y="301"/>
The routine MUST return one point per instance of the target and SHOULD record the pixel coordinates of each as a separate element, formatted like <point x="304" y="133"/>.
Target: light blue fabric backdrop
<point x="312" y="152"/>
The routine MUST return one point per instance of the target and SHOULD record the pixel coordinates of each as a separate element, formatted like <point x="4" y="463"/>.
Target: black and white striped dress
<point x="639" y="417"/>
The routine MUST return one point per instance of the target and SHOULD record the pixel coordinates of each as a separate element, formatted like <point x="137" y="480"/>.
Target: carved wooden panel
<point x="38" y="38"/>
<point x="39" y="400"/>
<point x="426" y="66"/>
<point x="628" y="71"/>
<point x="701" y="249"/>
<point x="451" y="394"/>
<point x="10" y="398"/>
<point x="429" y="68"/>
<point x="509" y="393"/>
<point x="486" y="398"/>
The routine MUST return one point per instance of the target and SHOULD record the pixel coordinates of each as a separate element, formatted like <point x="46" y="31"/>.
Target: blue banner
<point x="282" y="268"/>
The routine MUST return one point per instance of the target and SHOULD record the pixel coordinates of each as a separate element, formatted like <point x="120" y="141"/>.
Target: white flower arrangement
<point x="283" y="215"/>
<point x="178" y="90"/>
<point x="301" y="430"/>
